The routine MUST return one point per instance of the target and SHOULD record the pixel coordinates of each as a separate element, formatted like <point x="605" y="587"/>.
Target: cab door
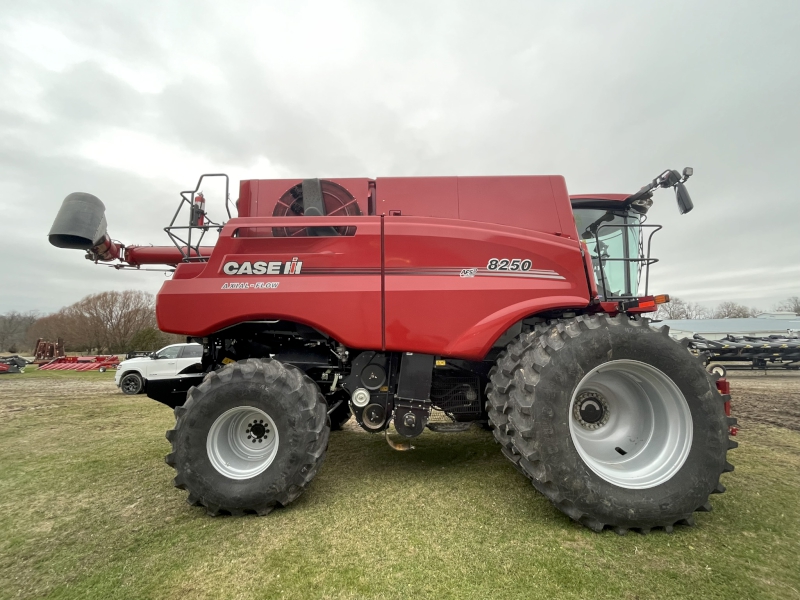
<point x="165" y="364"/>
<point x="191" y="354"/>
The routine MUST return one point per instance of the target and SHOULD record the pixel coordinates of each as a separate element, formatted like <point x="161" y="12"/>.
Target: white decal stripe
<point x="522" y="275"/>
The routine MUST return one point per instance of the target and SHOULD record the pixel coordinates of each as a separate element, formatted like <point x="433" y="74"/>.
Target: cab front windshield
<point x="614" y="241"/>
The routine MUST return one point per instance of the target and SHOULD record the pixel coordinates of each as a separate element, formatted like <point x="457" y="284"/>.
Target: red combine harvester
<point x="431" y="303"/>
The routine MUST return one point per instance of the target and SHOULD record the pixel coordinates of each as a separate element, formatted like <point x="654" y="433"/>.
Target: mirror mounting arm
<point x="667" y="179"/>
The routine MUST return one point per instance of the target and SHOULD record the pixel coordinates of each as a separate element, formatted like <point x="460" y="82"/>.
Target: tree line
<point x="107" y="322"/>
<point x="678" y="308"/>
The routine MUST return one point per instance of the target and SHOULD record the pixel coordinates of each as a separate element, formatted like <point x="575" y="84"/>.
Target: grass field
<point x="87" y="510"/>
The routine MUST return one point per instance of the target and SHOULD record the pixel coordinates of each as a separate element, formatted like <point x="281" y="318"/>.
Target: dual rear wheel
<point x="614" y="422"/>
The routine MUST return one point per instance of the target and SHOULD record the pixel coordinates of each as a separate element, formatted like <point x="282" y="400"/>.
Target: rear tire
<point x="249" y="438"/>
<point x="131" y="384"/>
<point x="614" y="422"/>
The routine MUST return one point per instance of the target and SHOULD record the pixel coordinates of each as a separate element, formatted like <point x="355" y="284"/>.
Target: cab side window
<point x="192" y="352"/>
<point x="171" y="352"/>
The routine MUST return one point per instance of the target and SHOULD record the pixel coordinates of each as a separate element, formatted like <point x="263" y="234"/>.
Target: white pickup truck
<point x="170" y="362"/>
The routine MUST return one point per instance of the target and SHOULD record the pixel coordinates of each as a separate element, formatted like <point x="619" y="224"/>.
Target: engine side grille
<point x="455" y="393"/>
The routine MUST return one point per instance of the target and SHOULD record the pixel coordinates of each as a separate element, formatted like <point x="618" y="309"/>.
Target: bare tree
<point x="697" y="311"/>
<point x="104" y="322"/>
<point x="790" y="305"/>
<point x="732" y="310"/>
<point x="677" y="308"/>
<point x="13" y="330"/>
<point x="115" y="317"/>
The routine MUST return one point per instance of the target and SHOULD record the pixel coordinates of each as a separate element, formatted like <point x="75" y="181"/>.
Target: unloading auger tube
<point x="401" y="305"/>
<point x="81" y="224"/>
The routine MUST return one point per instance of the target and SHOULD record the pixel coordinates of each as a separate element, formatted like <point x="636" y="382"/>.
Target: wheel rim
<point x="242" y="442"/>
<point x="630" y="424"/>
<point x="130" y="384"/>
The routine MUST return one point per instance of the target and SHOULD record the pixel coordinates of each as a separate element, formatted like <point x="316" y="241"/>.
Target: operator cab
<point x="615" y="242"/>
<point x="613" y="228"/>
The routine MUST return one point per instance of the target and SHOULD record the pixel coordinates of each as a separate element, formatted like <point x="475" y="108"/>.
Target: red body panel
<point x="343" y="300"/>
<point x="433" y="309"/>
<point x="425" y="274"/>
<point x="418" y="196"/>
<point x="537" y="202"/>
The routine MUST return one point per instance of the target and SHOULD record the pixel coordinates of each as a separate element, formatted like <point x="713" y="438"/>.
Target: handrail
<point x="644" y="261"/>
<point x="231" y="227"/>
<point x="185" y="245"/>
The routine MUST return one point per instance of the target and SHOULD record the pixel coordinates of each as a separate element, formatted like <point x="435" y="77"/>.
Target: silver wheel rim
<point x="242" y="442"/>
<point x="644" y="433"/>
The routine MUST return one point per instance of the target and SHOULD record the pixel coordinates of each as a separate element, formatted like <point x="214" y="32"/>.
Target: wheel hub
<point x="630" y="424"/>
<point x="257" y="431"/>
<point x="591" y="410"/>
<point x="242" y="442"/>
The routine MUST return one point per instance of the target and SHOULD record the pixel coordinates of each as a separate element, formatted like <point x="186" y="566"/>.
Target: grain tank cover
<point x="538" y="203"/>
<point x="80" y="222"/>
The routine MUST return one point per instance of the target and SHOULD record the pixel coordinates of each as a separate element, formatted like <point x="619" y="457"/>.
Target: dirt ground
<point x="773" y="399"/>
<point x="19" y="394"/>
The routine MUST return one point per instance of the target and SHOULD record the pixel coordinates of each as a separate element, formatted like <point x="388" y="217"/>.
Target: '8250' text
<point x="509" y="264"/>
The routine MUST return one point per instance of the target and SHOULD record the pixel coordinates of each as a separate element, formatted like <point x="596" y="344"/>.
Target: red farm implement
<point x="81" y="363"/>
<point x="47" y="351"/>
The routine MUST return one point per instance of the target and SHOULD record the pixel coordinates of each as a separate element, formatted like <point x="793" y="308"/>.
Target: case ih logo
<point x="263" y="268"/>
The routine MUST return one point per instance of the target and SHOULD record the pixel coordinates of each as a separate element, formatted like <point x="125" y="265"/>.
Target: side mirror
<point x="685" y="203"/>
<point x="153" y="355"/>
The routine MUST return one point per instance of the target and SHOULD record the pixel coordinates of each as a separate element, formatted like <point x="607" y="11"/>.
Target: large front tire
<point x="614" y="422"/>
<point x="249" y="438"/>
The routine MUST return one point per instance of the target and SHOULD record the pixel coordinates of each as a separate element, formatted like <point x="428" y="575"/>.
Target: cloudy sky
<point x="131" y="101"/>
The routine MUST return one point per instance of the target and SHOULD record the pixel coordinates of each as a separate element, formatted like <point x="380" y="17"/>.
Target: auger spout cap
<point x="80" y="222"/>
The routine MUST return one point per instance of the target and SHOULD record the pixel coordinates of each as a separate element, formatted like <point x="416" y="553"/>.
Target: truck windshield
<point x="615" y="239"/>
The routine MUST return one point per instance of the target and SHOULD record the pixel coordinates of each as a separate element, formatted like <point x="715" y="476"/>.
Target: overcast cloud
<point x="131" y="101"/>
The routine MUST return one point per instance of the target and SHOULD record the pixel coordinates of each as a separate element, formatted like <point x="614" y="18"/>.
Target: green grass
<point x="87" y="510"/>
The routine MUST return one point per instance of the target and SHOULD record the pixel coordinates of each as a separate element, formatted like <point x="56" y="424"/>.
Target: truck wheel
<point x="614" y="422"/>
<point x="249" y="438"/>
<point x="131" y="384"/>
